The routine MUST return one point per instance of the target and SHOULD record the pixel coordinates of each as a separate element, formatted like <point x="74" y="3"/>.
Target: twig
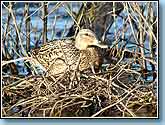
<point x="102" y="110"/>
<point x="15" y="60"/>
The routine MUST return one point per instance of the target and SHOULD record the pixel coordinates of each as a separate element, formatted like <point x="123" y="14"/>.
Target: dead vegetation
<point x="125" y="87"/>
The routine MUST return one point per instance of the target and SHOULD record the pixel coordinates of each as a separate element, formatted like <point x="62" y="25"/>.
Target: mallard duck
<point x="59" y="56"/>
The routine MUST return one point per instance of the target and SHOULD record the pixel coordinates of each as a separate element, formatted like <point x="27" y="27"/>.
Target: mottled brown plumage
<point x="63" y="55"/>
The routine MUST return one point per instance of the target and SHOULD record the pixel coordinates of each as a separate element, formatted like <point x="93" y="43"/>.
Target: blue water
<point x="160" y="121"/>
<point x="58" y="24"/>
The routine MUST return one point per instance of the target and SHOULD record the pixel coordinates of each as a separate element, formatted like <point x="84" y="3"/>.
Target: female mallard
<point x="63" y="55"/>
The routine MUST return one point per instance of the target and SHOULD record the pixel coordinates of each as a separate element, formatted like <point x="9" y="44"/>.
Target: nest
<point x="116" y="92"/>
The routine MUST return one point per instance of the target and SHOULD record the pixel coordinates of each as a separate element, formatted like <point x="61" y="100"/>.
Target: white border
<point x="158" y="110"/>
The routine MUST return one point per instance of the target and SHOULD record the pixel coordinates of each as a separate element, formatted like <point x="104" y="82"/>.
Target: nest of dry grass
<point x="117" y="92"/>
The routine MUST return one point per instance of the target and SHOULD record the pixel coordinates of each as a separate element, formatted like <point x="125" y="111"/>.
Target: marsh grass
<point x="126" y="87"/>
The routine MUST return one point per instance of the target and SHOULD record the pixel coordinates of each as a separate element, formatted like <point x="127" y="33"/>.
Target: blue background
<point x="159" y="121"/>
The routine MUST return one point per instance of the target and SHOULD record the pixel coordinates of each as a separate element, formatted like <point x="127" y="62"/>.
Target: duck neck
<point x="81" y="45"/>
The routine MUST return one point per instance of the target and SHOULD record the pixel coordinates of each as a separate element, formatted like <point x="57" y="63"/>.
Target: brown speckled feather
<point x="62" y="55"/>
<point x="58" y="56"/>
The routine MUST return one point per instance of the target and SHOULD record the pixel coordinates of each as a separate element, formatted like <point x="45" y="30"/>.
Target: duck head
<point x="86" y="38"/>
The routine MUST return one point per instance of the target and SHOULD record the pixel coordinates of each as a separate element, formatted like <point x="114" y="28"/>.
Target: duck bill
<point x="101" y="45"/>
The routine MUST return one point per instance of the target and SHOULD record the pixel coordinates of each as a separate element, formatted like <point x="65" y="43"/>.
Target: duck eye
<point x="90" y="35"/>
<point x="86" y="34"/>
